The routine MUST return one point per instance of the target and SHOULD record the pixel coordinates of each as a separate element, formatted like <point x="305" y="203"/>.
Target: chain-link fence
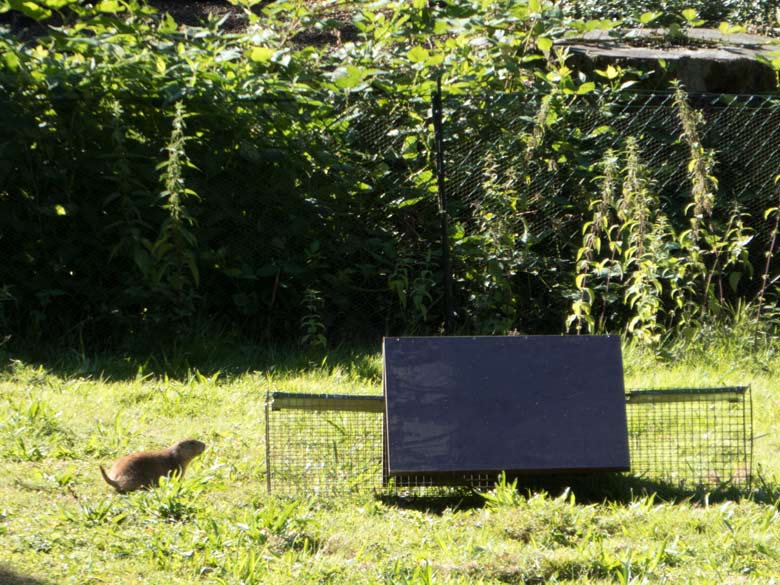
<point x="509" y="148"/>
<point x="742" y="130"/>
<point x="685" y="438"/>
<point x="520" y="178"/>
<point x="330" y="229"/>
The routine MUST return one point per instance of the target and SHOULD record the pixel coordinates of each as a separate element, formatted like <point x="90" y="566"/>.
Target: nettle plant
<point x="635" y="267"/>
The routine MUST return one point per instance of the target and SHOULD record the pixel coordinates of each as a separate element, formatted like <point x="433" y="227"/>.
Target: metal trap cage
<point x="692" y="436"/>
<point x="323" y="443"/>
<point x="334" y="444"/>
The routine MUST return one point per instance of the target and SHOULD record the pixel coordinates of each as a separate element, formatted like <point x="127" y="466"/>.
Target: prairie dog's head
<point x="188" y="449"/>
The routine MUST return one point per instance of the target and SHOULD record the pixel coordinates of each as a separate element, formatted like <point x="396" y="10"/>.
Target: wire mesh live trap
<point x="692" y="436"/>
<point x="329" y="444"/>
<point x="323" y="443"/>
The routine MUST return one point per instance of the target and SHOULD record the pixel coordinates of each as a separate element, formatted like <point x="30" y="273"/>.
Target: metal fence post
<point x="438" y="128"/>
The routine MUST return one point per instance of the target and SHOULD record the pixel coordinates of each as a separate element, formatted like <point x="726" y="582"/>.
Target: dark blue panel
<point x="523" y="404"/>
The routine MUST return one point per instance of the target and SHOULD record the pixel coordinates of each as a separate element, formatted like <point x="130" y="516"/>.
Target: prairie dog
<point x="144" y="469"/>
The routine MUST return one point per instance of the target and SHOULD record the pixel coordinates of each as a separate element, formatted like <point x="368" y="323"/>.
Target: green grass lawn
<point x="60" y="523"/>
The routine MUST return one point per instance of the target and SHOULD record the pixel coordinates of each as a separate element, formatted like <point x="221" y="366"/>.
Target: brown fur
<point x="144" y="469"/>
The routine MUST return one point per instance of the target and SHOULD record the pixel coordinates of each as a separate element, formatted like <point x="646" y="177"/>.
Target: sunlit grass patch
<point x="59" y="521"/>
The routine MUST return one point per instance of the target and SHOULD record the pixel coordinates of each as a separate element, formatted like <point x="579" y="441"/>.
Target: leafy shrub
<point x="156" y="177"/>
<point x="761" y="13"/>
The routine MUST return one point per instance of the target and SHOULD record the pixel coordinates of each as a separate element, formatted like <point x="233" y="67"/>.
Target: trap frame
<point x="699" y="437"/>
<point x="323" y="443"/>
<point x="328" y="444"/>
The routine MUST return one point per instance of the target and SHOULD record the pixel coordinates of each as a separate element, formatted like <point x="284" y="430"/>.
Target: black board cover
<point x="514" y="404"/>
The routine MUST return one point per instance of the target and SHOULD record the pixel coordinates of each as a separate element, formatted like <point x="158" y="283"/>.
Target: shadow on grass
<point x="618" y="488"/>
<point x="10" y="577"/>
<point x="203" y="357"/>
<point x="765" y="491"/>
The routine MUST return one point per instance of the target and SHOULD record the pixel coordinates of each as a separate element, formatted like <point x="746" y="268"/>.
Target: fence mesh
<point x="523" y="180"/>
<point x="326" y="444"/>
<point x="357" y="249"/>
<point x="742" y="130"/>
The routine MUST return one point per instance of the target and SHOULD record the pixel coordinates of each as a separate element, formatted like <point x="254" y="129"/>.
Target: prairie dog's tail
<point x="109" y="481"/>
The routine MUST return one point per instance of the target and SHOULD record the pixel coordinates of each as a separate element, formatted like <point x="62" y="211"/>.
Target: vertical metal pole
<point x="748" y="432"/>
<point x="268" y="441"/>
<point x="438" y="129"/>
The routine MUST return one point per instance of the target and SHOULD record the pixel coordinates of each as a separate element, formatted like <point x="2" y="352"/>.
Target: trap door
<point x="539" y="404"/>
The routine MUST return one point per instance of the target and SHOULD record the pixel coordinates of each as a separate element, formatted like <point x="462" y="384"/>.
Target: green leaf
<point x="262" y="54"/>
<point x="435" y="59"/>
<point x="418" y="55"/>
<point x="544" y="44"/>
<point x="610" y="73"/>
<point x="728" y="29"/>
<point x="690" y="14"/>
<point x="144" y="262"/>
<point x="586" y="87"/>
<point x="32" y="10"/>
<point x="409" y="150"/>
<point x="593" y="25"/>
<point x="409" y="202"/>
<point x="598" y="131"/>
<point x="648" y="17"/>
<point x="734" y="279"/>
<point x="193" y="266"/>
<point x="440" y="27"/>
<point x="11" y="60"/>
<point x="168" y="24"/>
<point x="56" y="4"/>
<point x="112" y="6"/>
<point x="348" y="77"/>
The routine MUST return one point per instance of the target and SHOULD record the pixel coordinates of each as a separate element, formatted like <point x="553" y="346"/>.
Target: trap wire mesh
<point x="334" y="444"/>
<point x="700" y="437"/>
<point x="323" y="443"/>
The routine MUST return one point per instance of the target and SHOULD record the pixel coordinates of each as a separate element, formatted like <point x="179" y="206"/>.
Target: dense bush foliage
<point x="761" y="14"/>
<point x="152" y="176"/>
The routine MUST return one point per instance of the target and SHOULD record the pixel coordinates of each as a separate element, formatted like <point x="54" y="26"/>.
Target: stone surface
<point x="705" y="60"/>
